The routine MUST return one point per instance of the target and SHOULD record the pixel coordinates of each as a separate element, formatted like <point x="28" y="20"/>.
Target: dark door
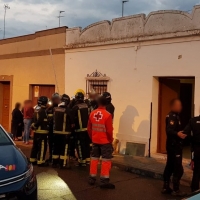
<point x="168" y="90"/>
<point x="42" y="90"/>
<point x="6" y="105"/>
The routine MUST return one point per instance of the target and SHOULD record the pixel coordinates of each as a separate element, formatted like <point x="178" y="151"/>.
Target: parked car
<point x="193" y="196"/>
<point x="17" y="178"/>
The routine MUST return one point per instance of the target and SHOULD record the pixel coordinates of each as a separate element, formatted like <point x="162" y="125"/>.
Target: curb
<point x="138" y="171"/>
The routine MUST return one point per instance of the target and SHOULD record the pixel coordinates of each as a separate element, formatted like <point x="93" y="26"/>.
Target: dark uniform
<point x="92" y="104"/>
<point x="50" y="111"/>
<point x="109" y="107"/>
<point x="39" y="126"/>
<point x="174" y="148"/>
<point x="193" y="132"/>
<point x="81" y="115"/>
<point x="63" y="122"/>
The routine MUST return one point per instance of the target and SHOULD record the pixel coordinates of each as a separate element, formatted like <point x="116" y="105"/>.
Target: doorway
<point x="41" y="90"/>
<point x="170" y="88"/>
<point x="5" y="104"/>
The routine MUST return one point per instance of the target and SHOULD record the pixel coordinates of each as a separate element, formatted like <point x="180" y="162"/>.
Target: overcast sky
<point x="28" y="16"/>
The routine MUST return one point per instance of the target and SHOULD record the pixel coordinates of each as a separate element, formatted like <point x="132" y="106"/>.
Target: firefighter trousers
<point x="61" y="149"/>
<point x="50" y="142"/>
<point x="82" y="146"/>
<point x="39" y="148"/>
<point x="105" y="151"/>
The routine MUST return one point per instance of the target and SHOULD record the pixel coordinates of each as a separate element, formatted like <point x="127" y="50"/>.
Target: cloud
<point x="28" y="16"/>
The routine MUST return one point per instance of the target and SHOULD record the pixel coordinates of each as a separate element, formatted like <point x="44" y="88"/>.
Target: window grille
<point x="97" y="82"/>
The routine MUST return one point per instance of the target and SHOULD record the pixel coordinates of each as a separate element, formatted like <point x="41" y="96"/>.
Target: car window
<point x="4" y="139"/>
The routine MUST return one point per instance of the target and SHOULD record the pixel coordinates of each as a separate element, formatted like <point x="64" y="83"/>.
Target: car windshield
<point x="4" y="139"/>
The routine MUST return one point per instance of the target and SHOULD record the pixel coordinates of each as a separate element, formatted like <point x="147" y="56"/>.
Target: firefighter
<point x="100" y="130"/>
<point x="55" y="101"/>
<point x="81" y="115"/>
<point x="109" y="106"/>
<point x="63" y="124"/>
<point x="193" y="132"/>
<point x="39" y="126"/>
<point x="174" y="148"/>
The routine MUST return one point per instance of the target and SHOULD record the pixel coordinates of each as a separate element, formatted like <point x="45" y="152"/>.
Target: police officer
<point x="193" y="132"/>
<point x="174" y="148"/>
<point x="39" y="126"/>
<point x="55" y="101"/>
<point x="100" y="129"/>
<point x="63" y="123"/>
<point x="81" y="115"/>
<point x="109" y="106"/>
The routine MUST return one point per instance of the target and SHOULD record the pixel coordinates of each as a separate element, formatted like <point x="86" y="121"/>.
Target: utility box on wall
<point x="135" y="149"/>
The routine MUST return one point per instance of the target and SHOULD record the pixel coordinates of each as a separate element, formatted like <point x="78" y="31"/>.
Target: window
<point x="97" y="82"/>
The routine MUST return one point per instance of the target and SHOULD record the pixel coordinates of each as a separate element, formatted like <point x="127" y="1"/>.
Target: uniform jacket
<point x="193" y="130"/>
<point x="50" y="119"/>
<point x="63" y="120"/>
<point x="100" y="128"/>
<point x="80" y="114"/>
<point x="173" y="126"/>
<point x="111" y="109"/>
<point x="40" y="121"/>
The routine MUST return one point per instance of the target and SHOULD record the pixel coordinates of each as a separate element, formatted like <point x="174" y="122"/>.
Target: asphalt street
<point x="58" y="184"/>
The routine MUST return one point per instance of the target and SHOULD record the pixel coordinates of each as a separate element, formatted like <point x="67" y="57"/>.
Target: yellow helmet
<point x="80" y="91"/>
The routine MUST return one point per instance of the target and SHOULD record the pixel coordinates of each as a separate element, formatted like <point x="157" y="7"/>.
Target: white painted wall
<point x="133" y="82"/>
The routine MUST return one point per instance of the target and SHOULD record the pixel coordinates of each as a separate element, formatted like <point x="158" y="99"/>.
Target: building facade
<point x="144" y="61"/>
<point x="29" y="66"/>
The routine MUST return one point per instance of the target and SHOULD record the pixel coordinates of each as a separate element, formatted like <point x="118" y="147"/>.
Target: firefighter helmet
<point x="108" y="97"/>
<point x="42" y="101"/>
<point x="79" y="96"/>
<point x="65" y="98"/>
<point x="80" y="91"/>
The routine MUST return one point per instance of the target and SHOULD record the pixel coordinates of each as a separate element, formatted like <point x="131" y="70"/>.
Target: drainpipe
<point x="150" y="132"/>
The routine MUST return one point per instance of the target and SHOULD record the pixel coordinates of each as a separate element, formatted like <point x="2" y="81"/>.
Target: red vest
<point x="100" y="128"/>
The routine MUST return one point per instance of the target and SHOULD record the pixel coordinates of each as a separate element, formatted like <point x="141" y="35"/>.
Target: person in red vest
<point x="100" y="130"/>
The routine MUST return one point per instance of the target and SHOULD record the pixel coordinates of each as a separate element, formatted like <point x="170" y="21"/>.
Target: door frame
<point x="159" y="105"/>
<point x="6" y="78"/>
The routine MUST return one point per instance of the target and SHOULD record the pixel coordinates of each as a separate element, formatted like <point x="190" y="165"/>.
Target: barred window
<point x="97" y="82"/>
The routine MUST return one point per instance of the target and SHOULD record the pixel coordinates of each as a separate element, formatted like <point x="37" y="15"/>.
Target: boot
<point x="105" y="184"/>
<point x="92" y="180"/>
<point x="166" y="188"/>
<point x="178" y="193"/>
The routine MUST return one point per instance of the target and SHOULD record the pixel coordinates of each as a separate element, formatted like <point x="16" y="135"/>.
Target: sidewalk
<point x="149" y="167"/>
<point x="144" y="166"/>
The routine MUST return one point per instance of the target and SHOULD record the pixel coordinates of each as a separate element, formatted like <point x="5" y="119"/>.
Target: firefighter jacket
<point x="49" y="112"/>
<point x="40" y="121"/>
<point x="111" y="109"/>
<point x="80" y="114"/>
<point x="173" y="126"/>
<point x="63" y="120"/>
<point x="193" y="130"/>
<point x="100" y="128"/>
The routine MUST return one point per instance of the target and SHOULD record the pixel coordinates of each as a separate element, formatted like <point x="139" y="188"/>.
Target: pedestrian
<point x="80" y="113"/>
<point x="109" y="106"/>
<point x="100" y="130"/>
<point x="17" y="121"/>
<point x="55" y="101"/>
<point x="63" y="124"/>
<point x="174" y="147"/>
<point x="38" y="152"/>
<point x="28" y="116"/>
<point x="193" y="132"/>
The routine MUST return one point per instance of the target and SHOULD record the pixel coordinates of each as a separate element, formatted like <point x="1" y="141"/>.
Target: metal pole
<point x="59" y="19"/>
<point x="4" y="31"/>
<point x="122" y="8"/>
<point x="150" y="129"/>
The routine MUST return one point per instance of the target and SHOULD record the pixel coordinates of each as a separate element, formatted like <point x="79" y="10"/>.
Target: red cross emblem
<point x="98" y="116"/>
